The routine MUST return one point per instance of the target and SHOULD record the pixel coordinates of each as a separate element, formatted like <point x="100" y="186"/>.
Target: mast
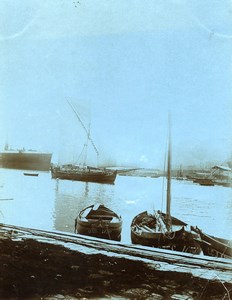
<point x="87" y="131"/>
<point x="168" y="204"/>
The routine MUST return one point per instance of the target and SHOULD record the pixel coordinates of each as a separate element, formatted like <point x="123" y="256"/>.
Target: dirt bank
<point x="33" y="270"/>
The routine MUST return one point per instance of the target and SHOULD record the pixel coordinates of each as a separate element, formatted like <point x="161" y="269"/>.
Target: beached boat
<point x="214" y="246"/>
<point x="25" y="159"/>
<point x="158" y="229"/>
<point x="99" y="221"/>
<point x="83" y="172"/>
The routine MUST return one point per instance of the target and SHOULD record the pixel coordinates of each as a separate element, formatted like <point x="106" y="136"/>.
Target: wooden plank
<point x="163" y="260"/>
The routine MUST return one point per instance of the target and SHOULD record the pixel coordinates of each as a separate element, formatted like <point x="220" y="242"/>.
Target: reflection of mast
<point x="86" y="189"/>
<point x="87" y="131"/>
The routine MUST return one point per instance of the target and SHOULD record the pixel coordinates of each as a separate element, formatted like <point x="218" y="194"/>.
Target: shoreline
<point x="33" y="269"/>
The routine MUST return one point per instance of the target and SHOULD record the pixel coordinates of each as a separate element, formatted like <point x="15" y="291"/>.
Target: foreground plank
<point x="157" y="269"/>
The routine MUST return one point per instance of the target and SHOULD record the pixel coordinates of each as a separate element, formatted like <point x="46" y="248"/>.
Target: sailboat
<point x="84" y="172"/>
<point x="158" y="229"/>
<point x="180" y="174"/>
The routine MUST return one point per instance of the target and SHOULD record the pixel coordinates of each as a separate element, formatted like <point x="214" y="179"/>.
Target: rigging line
<point x="164" y="177"/>
<point x="85" y="129"/>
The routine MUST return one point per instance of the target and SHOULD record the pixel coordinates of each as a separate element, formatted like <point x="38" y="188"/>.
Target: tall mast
<point x="87" y="131"/>
<point x="168" y="204"/>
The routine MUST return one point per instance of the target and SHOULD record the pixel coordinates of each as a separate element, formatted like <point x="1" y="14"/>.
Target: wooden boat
<point x="82" y="172"/>
<point x="204" y="181"/>
<point x="161" y="230"/>
<point x="31" y="174"/>
<point x="149" y="229"/>
<point x="87" y="174"/>
<point x="214" y="246"/>
<point x="99" y="221"/>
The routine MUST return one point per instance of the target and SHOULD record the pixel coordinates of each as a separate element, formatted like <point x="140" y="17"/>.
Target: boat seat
<point x="99" y="217"/>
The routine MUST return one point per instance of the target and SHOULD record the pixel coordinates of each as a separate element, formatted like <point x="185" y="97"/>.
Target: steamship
<point x="25" y="159"/>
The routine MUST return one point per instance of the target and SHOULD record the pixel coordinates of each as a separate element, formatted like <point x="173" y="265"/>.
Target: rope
<point x="83" y="126"/>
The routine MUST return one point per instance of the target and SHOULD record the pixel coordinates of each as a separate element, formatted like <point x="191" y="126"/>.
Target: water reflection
<point x="45" y="203"/>
<point x="71" y="197"/>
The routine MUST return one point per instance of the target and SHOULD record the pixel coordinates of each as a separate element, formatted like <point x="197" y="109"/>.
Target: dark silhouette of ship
<point x="25" y="159"/>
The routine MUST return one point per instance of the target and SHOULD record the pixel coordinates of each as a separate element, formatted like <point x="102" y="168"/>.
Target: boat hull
<point x="25" y="160"/>
<point x="214" y="246"/>
<point x="105" y="177"/>
<point x="178" y="240"/>
<point x="101" y="223"/>
<point x="100" y="230"/>
<point x="31" y="174"/>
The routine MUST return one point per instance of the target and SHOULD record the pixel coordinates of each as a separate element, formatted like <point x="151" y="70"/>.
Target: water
<point x="45" y="203"/>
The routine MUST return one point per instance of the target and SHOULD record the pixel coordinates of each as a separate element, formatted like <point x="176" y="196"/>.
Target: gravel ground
<point x="33" y="270"/>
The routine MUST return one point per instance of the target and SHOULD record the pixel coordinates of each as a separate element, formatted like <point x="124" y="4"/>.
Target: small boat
<point x="204" y="181"/>
<point x="31" y="174"/>
<point x="99" y="221"/>
<point x="158" y="229"/>
<point x="213" y="246"/>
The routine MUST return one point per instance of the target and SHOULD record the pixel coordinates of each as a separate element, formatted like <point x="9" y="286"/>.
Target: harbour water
<point x="44" y="203"/>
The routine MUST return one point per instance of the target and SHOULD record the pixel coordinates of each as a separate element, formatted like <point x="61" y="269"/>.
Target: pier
<point x="112" y="267"/>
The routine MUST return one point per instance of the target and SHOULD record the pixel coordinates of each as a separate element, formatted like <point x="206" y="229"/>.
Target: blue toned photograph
<point x="116" y="149"/>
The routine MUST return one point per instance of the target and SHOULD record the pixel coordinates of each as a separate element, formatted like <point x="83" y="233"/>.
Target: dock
<point x="209" y="273"/>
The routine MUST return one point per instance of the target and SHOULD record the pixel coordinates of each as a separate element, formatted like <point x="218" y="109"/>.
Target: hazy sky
<point x="123" y="65"/>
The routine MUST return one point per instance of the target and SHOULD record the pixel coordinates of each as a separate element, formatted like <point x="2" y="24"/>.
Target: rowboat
<point x="99" y="221"/>
<point x="213" y="246"/>
<point x="31" y="174"/>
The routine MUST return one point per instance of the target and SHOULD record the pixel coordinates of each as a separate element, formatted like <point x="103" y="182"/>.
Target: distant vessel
<point x="204" y="181"/>
<point x="25" y="159"/>
<point x="83" y="172"/>
<point x="87" y="174"/>
<point x="31" y="174"/>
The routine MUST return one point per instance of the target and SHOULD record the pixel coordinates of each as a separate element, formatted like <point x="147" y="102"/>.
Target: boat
<point x="204" y="181"/>
<point x="197" y="176"/>
<point x="99" y="221"/>
<point x="180" y="175"/>
<point x="31" y="174"/>
<point x="83" y="172"/>
<point x="25" y="159"/>
<point x="213" y="246"/>
<point x="161" y="230"/>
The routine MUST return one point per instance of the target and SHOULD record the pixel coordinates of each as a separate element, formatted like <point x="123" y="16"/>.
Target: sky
<point x="124" y="66"/>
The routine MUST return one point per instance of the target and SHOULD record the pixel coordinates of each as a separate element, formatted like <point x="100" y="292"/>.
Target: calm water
<point x="45" y="203"/>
